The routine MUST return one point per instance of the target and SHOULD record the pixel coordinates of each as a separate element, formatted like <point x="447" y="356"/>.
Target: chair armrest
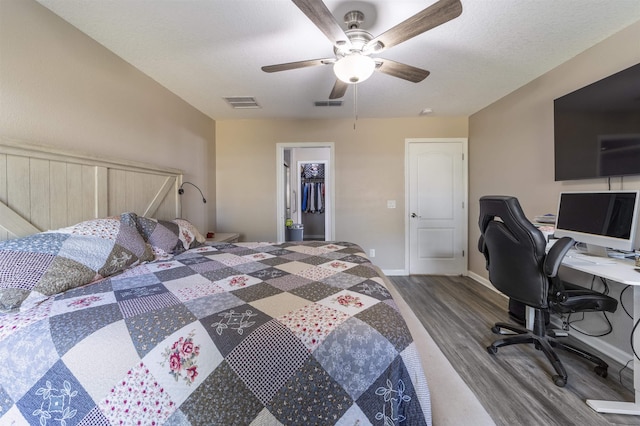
<point x="482" y="247"/>
<point x="553" y="260"/>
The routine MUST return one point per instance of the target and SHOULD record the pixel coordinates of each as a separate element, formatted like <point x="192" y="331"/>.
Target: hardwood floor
<point x="515" y="385"/>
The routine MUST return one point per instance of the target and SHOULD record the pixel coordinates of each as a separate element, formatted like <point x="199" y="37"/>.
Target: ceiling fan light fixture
<point x="354" y="68"/>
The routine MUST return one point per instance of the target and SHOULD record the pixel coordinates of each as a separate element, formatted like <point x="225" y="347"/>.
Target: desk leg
<point x="620" y="407"/>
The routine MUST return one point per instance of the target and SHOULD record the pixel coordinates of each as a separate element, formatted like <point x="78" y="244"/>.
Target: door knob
<point x="414" y="215"/>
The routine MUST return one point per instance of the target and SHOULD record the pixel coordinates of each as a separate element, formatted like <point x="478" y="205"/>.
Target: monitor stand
<point x="594" y="250"/>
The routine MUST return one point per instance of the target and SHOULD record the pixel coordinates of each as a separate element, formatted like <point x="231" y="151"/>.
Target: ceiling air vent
<point x="242" y="102"/>
<point x="328" y="103"/>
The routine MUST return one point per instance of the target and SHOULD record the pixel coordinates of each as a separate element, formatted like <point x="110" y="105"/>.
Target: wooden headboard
<point x="44" y="188"/>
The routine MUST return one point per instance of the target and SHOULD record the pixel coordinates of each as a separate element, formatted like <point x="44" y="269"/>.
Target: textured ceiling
<point x="204" y="50"/>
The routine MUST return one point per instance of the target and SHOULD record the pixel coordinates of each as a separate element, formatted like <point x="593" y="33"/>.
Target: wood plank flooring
<point x="515" y="385"/>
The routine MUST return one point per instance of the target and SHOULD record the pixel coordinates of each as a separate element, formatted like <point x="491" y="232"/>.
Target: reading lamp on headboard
<point x="181" y="191"/>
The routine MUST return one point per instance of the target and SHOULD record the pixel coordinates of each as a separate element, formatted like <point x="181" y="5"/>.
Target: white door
<point x="312" y="149"/>
<point x="437" y="196"/>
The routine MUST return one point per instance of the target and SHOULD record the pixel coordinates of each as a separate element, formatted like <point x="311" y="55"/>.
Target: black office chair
<point x="514" y="250"/>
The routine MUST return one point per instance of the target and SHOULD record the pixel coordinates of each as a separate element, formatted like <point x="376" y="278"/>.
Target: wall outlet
<point x="391" y="204"/>
<point x="372" y="252"/>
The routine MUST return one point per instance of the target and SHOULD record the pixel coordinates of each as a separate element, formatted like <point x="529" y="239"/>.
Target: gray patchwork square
<point x="314" y="260"/>
<point x="274" y="261"/>
<point x="133" y="281"/>
<point x="85" y="321"/>
<point x="174" y="273"/>
<point x="221" y="399"/>
<point x="229" y="327"/>
<point x="289" y="282"/>
<point x="144" y="330"/>
<point x="220" y="274"/>
<point x="248" y="268"/>
<point x="5" y="400"/>
<point x="315" y="291"/>
<point x="392" y="399"/>
<point x="268" y="273"/>
<point x="207" y="305"/>
<point x="373" y="289"/>
<point x="343" y="280"/>
<point x="256" y="292"/>
<point x="325" y="402"/>
<point x="54" y="400"/>
<point x="389" y="323"/>
<point x="265" y="372"/>
<point x="211" y="265"/>
<point x="355" y="363"/>
<point x="363" y="270"/>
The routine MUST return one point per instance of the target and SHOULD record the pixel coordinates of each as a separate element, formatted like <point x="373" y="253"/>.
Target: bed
<point x="102" y="330"/>
<point x="130" y="319"/>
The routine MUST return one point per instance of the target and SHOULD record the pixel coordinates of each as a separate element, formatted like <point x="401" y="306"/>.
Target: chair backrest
<point x="514" y="250"/>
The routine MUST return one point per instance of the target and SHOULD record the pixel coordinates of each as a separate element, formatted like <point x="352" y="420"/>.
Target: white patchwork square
<point x="256" y="257"/>
<point x="354" y="416"/>
<point x="192" y="287"/>
<point x="236" y="282"/>
<point x="163" y="266"/>
<point x="182" y="361"/>
<point x="313" y="323"/>
<point x="331" y="247"/>
<point x="306" y="250"/>
<point x="92" y="252"/>
<point x="112" y="364"/>
<point x="316" y="273"/>
<point x="82" y="302"/>
<point x="338" y="265"/>
<point x="138" y="395"/>
<point x="229" y="259"/>
<point x="349" y="302"/>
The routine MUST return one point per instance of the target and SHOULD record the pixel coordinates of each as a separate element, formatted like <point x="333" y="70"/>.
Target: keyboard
<point x="596" y="260"/>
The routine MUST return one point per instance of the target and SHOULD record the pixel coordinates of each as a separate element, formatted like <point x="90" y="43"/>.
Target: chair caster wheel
<point x="601" y="371"/>
<point x="492" y="350"/>
<point x="559" y="381"/>
<point x="495" y="330"/>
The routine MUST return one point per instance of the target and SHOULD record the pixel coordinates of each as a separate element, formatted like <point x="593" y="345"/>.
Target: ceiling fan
<point x="353" y="48"/>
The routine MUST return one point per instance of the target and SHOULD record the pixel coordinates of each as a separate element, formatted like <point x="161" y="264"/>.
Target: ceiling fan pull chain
<point x="355" y="105"/>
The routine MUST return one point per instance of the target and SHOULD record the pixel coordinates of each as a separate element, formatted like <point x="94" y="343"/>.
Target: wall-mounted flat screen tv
<point x="597" y="128"/>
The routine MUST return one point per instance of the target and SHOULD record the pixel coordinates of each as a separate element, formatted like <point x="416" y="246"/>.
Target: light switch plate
<point x="391" y="204"/>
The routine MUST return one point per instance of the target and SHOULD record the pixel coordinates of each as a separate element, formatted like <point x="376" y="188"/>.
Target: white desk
<point x="622" y="271"/>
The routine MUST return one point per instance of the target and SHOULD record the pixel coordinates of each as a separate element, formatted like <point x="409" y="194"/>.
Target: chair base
<point x="546" y="344"/>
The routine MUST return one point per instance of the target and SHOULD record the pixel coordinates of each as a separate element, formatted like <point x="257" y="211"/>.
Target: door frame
<point x="330" y="230"/>
<point x="465" y="195"/>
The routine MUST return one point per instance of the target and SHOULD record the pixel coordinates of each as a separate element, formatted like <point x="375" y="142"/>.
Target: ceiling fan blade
<point x="318" y="13"/>
<point x="436" y="14"/>
<point x="299" y="64"/>
<point x="404" y="71"/>
<point x="339" y="89"/>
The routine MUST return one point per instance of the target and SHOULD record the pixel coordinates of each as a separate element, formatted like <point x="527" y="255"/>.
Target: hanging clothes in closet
<point x="313" y="197"/>
<point x="312" y="201"/>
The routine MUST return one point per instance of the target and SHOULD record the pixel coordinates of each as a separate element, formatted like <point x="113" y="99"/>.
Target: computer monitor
<point x="605" y="219"/>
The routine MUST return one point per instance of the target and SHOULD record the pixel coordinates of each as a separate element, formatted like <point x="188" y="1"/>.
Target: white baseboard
<point x="599" y="345"/>
<point x="395" y="272"/>
<point x="482" y="280"/>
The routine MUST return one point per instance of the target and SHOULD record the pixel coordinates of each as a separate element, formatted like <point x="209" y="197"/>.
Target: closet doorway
<point x="305" y="190"/>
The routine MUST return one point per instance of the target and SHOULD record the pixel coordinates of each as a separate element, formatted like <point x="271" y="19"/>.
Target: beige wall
<point x="511" y="153"/>
<point x="511" y="141"/>
<point x="59" y="87"/>
<point x="369" y="170"/>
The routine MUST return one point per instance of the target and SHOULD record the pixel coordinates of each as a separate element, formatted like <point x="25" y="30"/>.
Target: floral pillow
<point x="189" y="235"/>
<point x="162" y="235"/>
<point x="169" y="237"/>
<point x="52" y="262"/>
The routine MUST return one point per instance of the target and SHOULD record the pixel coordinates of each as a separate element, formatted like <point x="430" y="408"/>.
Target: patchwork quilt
<point x="298" y="333"/>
